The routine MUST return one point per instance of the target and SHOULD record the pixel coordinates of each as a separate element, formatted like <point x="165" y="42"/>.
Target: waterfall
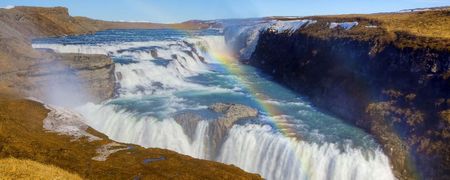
<point x="278" y="157"/>
<point x="153" y="74"/>
<point x="254" y="148"/>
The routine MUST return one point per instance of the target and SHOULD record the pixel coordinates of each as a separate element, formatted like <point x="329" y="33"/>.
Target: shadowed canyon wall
<point x="395" y="85"/>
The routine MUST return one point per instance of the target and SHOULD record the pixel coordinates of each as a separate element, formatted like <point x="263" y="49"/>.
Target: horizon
<point x="164" y="12"/>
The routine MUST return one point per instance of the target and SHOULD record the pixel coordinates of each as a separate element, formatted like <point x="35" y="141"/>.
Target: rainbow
<point x="231" y="64"/>
<point x="285" y="127"/>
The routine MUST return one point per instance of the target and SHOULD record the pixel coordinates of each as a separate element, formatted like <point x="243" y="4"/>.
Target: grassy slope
<point x="12" y="168"/>
<point x="22" y="136"/>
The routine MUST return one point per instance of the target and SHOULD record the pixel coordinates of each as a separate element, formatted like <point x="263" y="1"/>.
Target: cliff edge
<point x="386" y="73"/>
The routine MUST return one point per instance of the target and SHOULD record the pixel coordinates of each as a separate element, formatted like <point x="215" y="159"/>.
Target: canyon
<point x="387" y="73"/>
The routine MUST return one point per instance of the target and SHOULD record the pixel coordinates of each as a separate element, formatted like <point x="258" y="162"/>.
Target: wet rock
<point x="154" y="53"/>
<point x="232" y="113"/>
<point x="218" y="128"/>
<point x="189" y="122"/>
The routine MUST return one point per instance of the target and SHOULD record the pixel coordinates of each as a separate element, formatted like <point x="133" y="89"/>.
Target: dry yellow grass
<point x="427" y="24"/>
<point x="11" y="168"/>
<point x="427" y="29"/>
<point x="434" y="24"/>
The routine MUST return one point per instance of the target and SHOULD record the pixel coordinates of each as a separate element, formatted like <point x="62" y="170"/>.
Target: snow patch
<point x="66" y="122"/>
<point x="371" y="26"/>
<point x="8" y="7"/>
<point x="345" y="25"/>
<point x="290" y="26"/>
<point x="108" y="149"/>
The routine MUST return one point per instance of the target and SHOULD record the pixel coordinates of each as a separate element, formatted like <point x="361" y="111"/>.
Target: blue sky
<point x="182" y="10"/>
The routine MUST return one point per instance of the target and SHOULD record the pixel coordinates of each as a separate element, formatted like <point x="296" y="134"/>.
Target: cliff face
<point x="395" y="85"/>
<point x="19" y="62"/>
<point x="71" y="79"/>
<point x="43" y="74"/>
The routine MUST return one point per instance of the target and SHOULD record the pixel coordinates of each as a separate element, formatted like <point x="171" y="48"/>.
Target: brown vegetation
<point x="12" y="168"/>
<point x="426" y="29"/>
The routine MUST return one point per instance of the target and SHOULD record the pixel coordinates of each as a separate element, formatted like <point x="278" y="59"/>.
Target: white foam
<point x="249" y="34"/>
<point x="127" y="127"/>
<point x="286" y="103"/>
<point x="254" y="148"/>
<point x="145" y="77"/>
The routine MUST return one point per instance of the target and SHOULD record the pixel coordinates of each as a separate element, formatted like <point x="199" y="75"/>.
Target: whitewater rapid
<point x="156" y="80"/>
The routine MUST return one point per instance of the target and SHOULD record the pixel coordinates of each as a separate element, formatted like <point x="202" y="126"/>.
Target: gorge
<point x="357" y="99"/>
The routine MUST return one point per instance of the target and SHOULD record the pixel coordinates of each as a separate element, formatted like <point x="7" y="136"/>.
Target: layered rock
<point x="72" y="78"/>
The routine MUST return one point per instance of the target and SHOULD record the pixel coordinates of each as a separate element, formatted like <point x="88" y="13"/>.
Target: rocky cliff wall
<point x="394" y="85"/>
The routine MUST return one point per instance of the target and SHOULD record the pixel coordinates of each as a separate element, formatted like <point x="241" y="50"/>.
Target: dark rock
<point x="218" y="128"/>
<point x="348" y="78"/>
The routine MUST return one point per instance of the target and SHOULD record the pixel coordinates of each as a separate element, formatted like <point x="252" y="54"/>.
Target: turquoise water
<point x="312" y="125"/>
<point x="162" y="73"/>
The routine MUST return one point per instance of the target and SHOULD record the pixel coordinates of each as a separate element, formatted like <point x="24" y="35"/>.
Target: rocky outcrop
<point x="63" y="78"/>
<point x="395" y="85"/>
<point x="228" y="115"/>
<point x="72" y="78"/>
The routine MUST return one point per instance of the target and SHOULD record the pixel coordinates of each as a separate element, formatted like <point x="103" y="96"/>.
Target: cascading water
<point x="165" y="73"/>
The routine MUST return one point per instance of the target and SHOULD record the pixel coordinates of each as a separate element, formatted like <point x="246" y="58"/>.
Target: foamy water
<point x="162" y="77"/>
